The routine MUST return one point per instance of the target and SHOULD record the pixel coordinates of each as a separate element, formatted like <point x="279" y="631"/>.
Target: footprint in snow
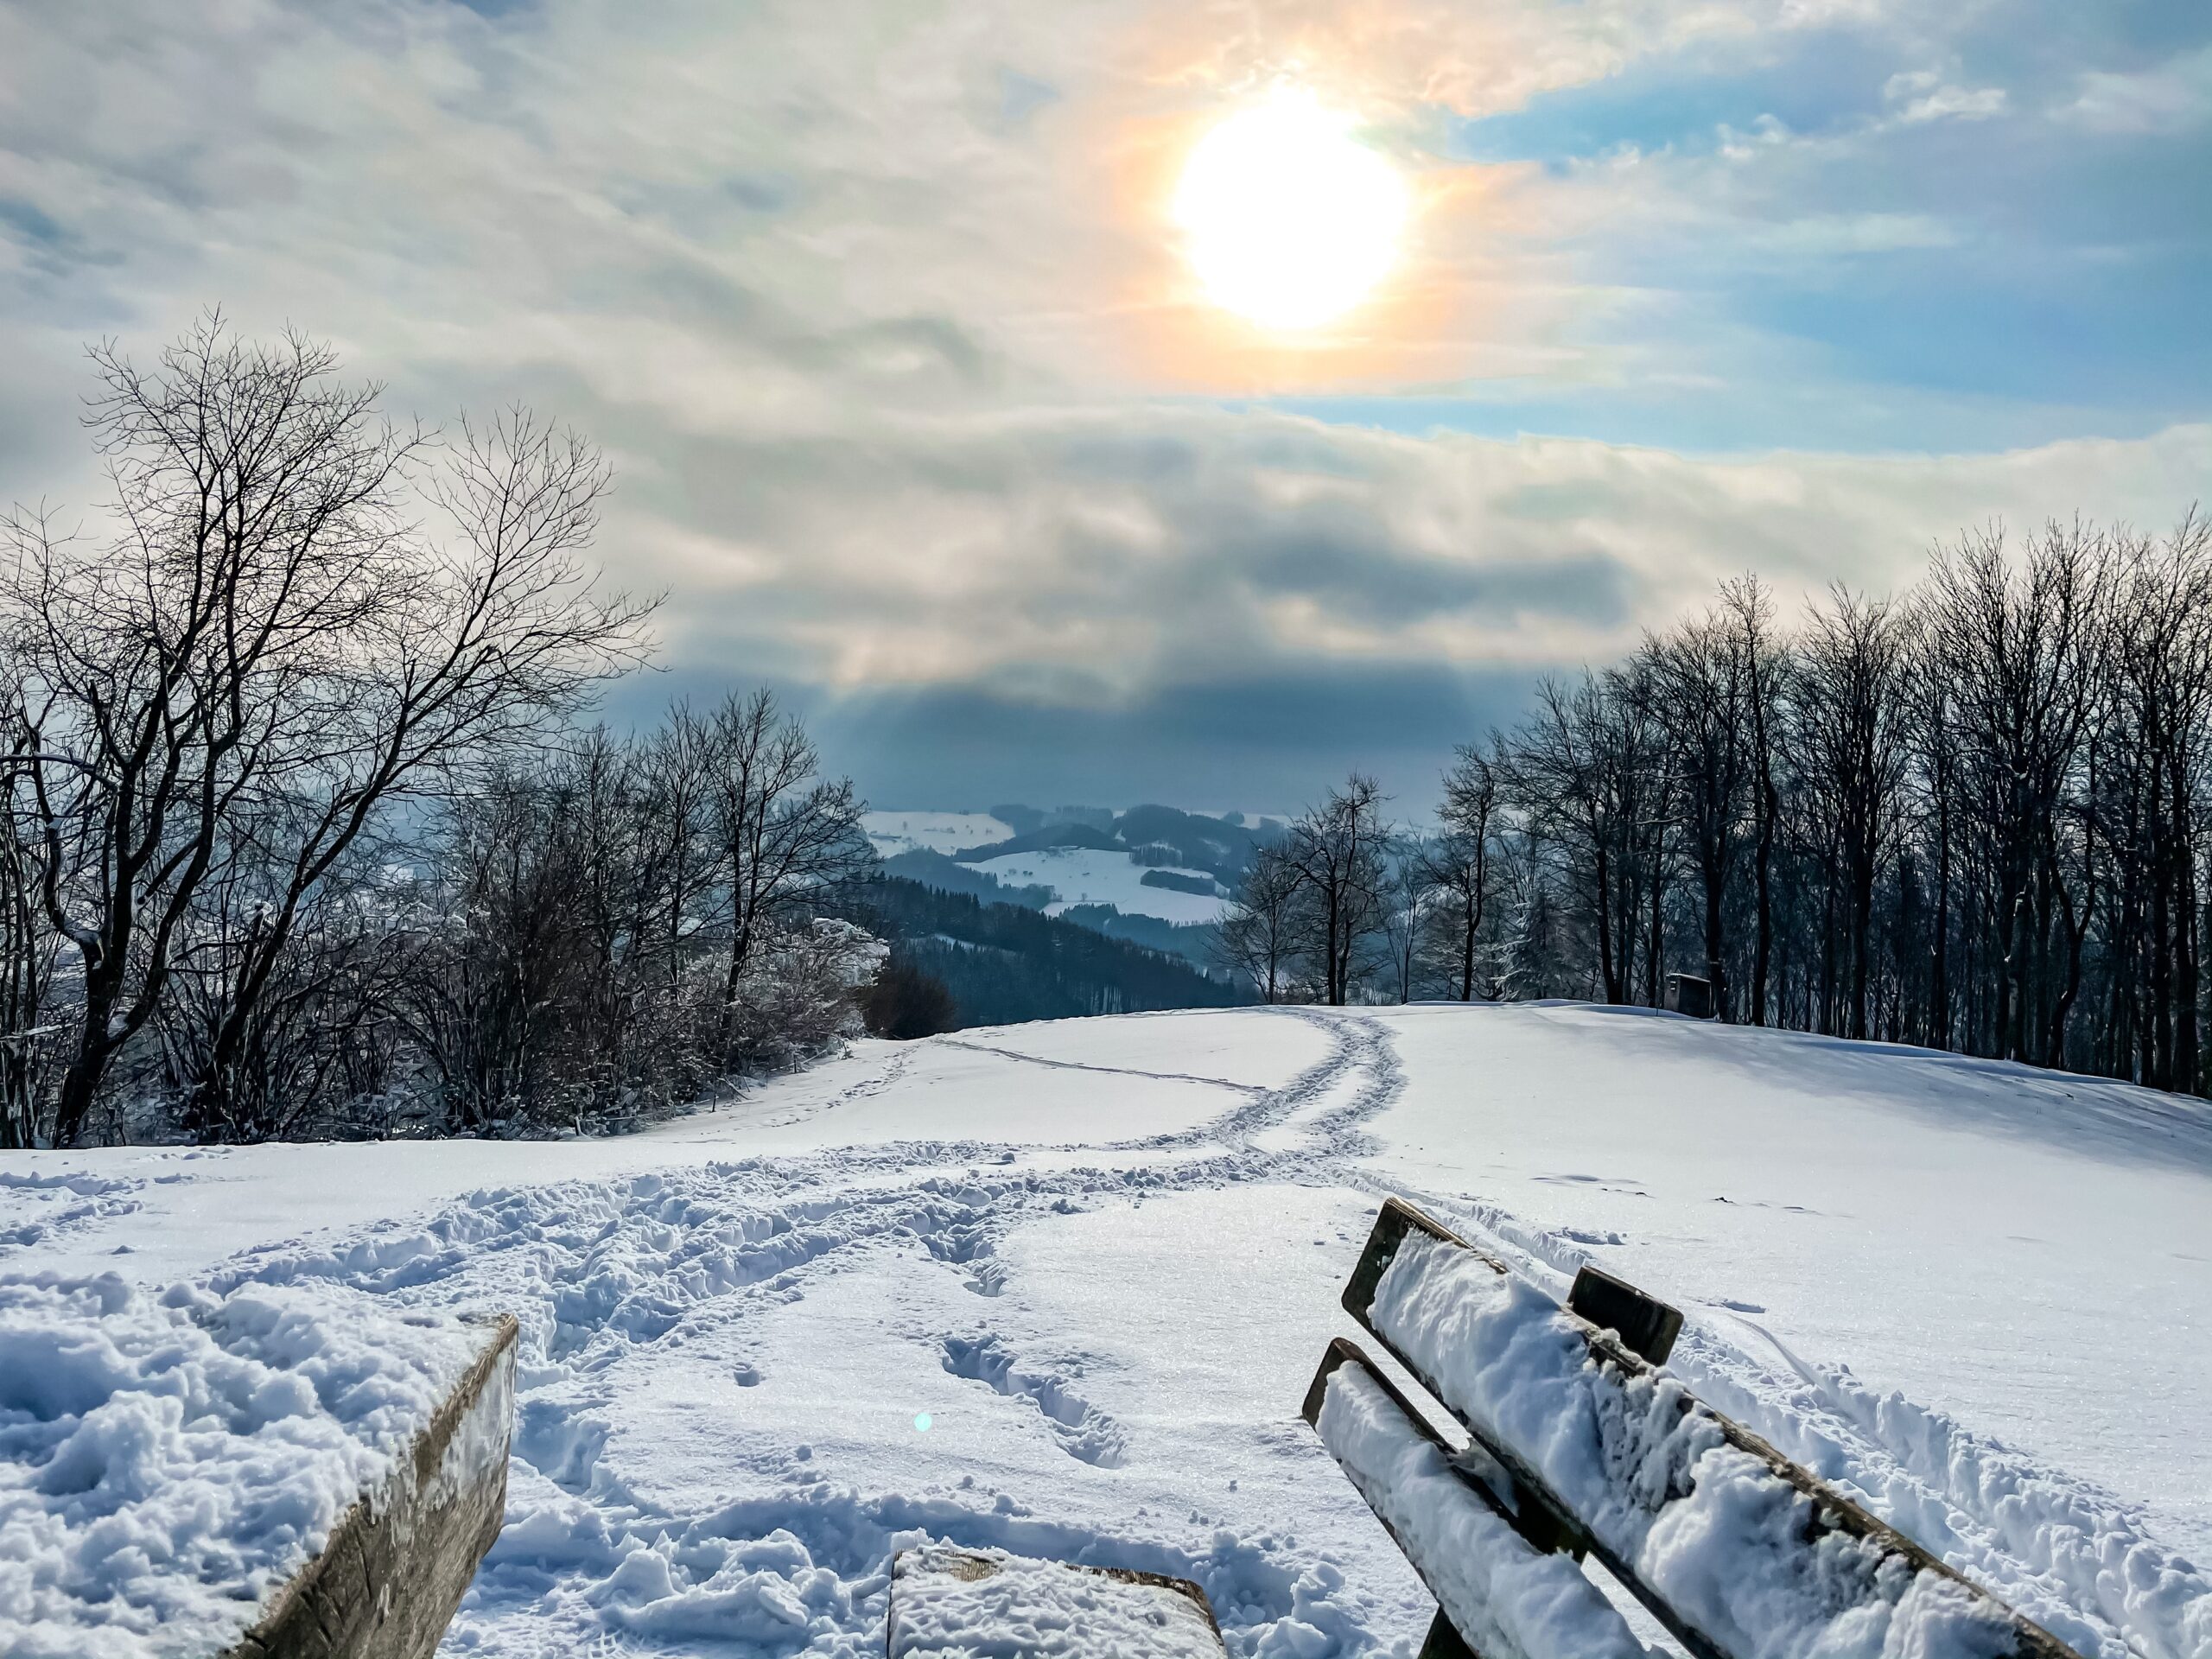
<point x="1083" y="1430"/>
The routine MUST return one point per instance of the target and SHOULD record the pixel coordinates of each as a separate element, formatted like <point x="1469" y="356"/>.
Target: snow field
<point x="1059" y="1289"/>
<point x="1880" y="1232"/>
<point x="1093" y="875"/>
<point x="893" y="833"/>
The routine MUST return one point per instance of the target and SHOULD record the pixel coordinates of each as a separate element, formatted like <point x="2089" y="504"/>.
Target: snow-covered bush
<point x="800" y="996"/>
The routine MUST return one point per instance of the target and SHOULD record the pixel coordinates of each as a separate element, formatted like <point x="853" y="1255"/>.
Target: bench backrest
<point x="1582" y="1444"/>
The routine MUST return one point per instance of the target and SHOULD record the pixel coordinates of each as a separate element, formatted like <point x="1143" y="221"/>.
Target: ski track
<point x="606" y="1275"/>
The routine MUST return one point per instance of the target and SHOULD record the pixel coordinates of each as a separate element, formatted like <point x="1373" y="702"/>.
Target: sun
<point x="1288" y="219"/>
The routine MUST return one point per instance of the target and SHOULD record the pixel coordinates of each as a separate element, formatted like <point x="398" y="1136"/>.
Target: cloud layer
<point x="917" y="411"/>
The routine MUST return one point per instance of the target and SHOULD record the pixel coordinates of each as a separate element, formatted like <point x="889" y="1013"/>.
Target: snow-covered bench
<point x="398" y="1561"/>
<point x="949" y="1603"/>
<point x="1580" y="1444"/>
<point x="278" y="1471"/>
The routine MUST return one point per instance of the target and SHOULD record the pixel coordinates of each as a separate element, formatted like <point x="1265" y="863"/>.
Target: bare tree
<point x="1850" y="727"/>
<point x="269" y="629"/>
<point x="30" y="1023"/>
<point x="2145" y="795"/>
<point x="1976" y="817"/>
<point x="1407" y="893"/>
<point x="505" y="962"/>
<point x="1459" y="859"/>
<point x="1749" y="611"/>
<point x="785" y="834"/>
<point x="2020" y="650"/>
<point x="679" y="856"/>
<point x="1589" y="772"/>
<point x="1259" y="936"/>
<point x="1337" y="850"/>
<point x="318" y="1035"/>
<point x="1701" y="693"/>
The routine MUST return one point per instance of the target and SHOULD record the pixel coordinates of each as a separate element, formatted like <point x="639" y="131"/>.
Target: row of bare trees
<point x="606" y="929"/>
<point x="1973" y="817"/>
<point x="296" y="829"/>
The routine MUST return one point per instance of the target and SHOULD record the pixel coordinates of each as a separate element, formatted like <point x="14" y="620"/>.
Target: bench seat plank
<point x="1506" y="1597"/>
<point x="402" y="1556"/>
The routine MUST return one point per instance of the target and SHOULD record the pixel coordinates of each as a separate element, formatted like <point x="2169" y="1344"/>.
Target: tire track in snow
<point x="1103" y="1070"/>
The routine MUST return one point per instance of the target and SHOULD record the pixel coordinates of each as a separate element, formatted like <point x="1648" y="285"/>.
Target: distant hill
<point x="1037" y="841"/>
<point x="1218" y="846"/>
<point x="1005" y="964"/>
<point x="947" y="875"/>
<point x="1151" y="875"/>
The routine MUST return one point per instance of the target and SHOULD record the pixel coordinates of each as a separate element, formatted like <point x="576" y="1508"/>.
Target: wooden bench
<point x="1579" y="1445"/>
<point x="399" y="1560"/>
<point x="949" y="1603"/>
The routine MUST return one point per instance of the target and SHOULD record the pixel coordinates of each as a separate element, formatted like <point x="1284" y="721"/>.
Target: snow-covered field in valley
<point x="1085" y="875"/>
<point x="1059" y="1289"/>
<point x="948" y="833"/>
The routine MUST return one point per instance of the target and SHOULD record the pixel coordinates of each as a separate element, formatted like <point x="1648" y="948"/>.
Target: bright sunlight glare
<point x="1289" y="220"/>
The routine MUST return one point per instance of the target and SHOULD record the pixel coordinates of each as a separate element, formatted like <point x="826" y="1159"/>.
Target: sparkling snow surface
<point x="1059" y="1289"/>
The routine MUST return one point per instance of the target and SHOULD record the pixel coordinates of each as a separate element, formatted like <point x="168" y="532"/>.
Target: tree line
<point x="1971" y="816"/>
<point x="301" y="831"/>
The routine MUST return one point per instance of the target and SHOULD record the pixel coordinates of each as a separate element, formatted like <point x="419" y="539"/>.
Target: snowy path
<point x="1060" y="1288"/>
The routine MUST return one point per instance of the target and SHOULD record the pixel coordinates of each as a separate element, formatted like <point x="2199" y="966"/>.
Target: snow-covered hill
<point x="1061" y="1287"/>
<point x="1087" y="875"/>
<point x="892" y="833"/>
<point x="1148" y="861"/>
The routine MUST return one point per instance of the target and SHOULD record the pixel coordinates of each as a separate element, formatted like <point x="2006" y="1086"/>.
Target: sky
<point x="919" y="412"/>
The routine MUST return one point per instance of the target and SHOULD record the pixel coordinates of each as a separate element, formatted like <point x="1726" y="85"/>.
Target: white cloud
<point x="2173" y="97"/>
<point x="1921" y="95"/>
<point x="1088" y="552"/>
<point x="883" y="355"/>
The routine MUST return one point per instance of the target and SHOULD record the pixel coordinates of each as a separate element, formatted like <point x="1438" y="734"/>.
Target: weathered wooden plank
<point x="399" y="1560"/>
<point x="1497" y="1593"/>
<point x="1837" y="1545"/>
<point x="1646" y="1326"/>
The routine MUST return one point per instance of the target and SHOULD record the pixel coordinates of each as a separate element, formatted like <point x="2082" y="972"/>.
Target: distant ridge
<point x="1005" y="964"/>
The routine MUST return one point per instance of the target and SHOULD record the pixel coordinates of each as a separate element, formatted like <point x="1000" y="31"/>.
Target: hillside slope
<point x="1061" y="1287"/>
<point x="1155" y="875"/>
<point x="1005" y="963"/>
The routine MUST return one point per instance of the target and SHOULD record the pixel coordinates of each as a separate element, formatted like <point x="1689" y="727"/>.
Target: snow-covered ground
<point x="1059" y="1288"/>
<point x="892" y="833"/>
<point x="1089" y="875"/>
